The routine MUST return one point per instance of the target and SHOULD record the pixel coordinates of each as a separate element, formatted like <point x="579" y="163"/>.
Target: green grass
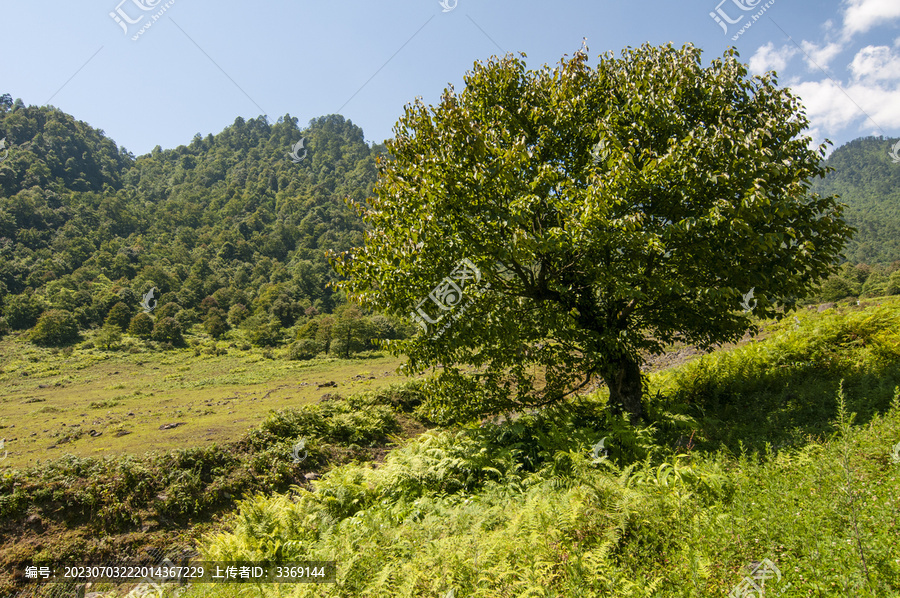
<point x="219" y="397"/>
<point x="107" y="509"/>
<point x="744" y="459"/>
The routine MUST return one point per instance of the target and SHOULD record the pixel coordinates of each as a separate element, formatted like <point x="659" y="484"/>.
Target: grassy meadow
<point x="90" y="402"/>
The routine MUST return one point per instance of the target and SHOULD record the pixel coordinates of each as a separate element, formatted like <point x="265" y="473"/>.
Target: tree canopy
<point x="607" y="212"/>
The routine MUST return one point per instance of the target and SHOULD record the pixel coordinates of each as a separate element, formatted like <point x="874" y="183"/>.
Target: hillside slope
<point x="868" y="181"/>
<point x="231" y="217"/>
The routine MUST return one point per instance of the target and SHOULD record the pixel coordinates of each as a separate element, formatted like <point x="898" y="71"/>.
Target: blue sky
<point x="203" y="63"/>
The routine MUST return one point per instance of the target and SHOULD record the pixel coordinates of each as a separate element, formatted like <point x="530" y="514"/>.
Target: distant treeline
<point x="230" y="230"/>
<point x="868" y="181"/>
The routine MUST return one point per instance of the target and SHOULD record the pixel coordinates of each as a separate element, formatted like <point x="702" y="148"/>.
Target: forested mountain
<point x="868" y="181"/>
<point x="229" y="226"/>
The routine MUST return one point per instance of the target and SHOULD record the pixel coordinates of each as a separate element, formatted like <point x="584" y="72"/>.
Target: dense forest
<point x="868" y="182"/>
<point x="230" y="230"/>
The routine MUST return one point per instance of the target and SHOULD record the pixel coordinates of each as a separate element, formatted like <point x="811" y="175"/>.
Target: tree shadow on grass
<point x="783" y="391"/>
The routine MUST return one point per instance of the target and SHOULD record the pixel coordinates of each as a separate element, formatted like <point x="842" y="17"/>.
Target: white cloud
<point x="829" y="108"/>
<point x="862" y="15"/>
<point x="820" y="56"/>
<point x="875" y="63"/>
<point x="768" y="58"/>
<point x="864" y="99"/>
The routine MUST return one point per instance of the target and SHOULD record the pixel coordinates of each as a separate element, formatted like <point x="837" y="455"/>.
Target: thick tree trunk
<point x="623" y="377"/>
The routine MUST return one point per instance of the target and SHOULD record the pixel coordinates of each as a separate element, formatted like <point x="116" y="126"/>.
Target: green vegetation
<point x="860" y="280"/>
<point x="607" y="235"/>
<point x="219" y="391"/>
<point x="141" y="325"/>
<point x="112" y="497"/>
<point x="747" y="454"/>
<point x="225" y="226"/>
<point x="869" y="183"/>
<point x="55" y="328"/>
<point x="678" y="507"/>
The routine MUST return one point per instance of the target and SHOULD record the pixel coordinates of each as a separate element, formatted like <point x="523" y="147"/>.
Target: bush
<point x="208" y="303"/>
<point x="303" y="350"/>
<point x="55" y="328"/>
<point x="237" y="314"/>
<point x="141" y="326"/>
<point x="336" y="421"/>
<point x="4" y="327"/>
<point x="22" y="311"/>
<point x="109" y="336"/>
<point x="119" y="316"/>
<point x="893" y="285"/>
<point x="263" y="333"/>
<point x="169" y="310"/>
<point x="168" y="330"/>
<point x="216" y="326"/>
<point x="837" y="288"/>
<point x="128" y="296"/>
<point x="187" y="318"/>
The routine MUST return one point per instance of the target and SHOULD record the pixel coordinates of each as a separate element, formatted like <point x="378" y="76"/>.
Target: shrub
<point x="168" y="330"/>
<point x="22" y="311"/>
<point x="109" y="336"/>
<point x="238" y="313"/>
<point x="128" y="296"/>
<point x="263" y="333"/>
<point x="208" y="303"/>
<point x="55" y="328"/>
<point x="141" y="326"/>
<point x="187" y="318"/>
<point x="169" y="310"/>
<point x="303" y="350"/>
<point x="216" y="326"/>
<point x="836" y="288"/>
<point x="119" y="316"/>
<point x="334" y="421"/>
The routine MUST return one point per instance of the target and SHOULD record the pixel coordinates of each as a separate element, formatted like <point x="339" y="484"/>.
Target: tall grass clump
<point x="772" y="391"/>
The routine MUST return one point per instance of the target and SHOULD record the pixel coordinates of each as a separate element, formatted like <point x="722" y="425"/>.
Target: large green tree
<point x="607" y="210"/>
